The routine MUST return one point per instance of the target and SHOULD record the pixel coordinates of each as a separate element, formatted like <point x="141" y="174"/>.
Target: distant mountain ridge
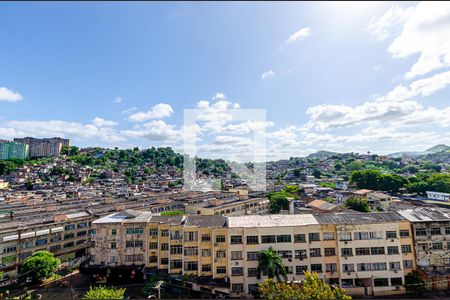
<point x="432" y="150"/>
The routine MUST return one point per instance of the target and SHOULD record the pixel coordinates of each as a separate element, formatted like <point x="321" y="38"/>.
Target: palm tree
<point x="270" y="263"/>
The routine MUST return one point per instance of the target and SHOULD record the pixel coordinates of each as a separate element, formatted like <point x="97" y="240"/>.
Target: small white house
<point x="438" y="196"/>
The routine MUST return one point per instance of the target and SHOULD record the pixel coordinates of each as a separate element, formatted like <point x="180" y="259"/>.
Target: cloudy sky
<point x="334" y="76"/>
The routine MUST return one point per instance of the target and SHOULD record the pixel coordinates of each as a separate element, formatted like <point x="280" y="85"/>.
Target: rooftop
<point x="358" y="218"/>
<point x="272" y="220"/>
<point x="425" y="214"/>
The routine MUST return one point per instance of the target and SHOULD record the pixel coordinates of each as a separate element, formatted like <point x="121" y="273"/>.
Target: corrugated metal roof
<point x="358" y="218"/>
<point x="425" y="214"/>
<point x="272" y="220"/>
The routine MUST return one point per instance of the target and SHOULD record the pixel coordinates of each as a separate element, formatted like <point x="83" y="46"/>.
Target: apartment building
<point x="10" y="150"/>
<point x="229" y="207"/>
<point x="367" y="254"/>
<point x="431" y="229"/>
<point x="375" y="251"/>
<point x="296" y="238"/>
<point x="170" y="245"/>
<point x="65" y="235"/>
<point x="44" y="147"/>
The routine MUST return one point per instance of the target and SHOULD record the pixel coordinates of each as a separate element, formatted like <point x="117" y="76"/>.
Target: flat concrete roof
<point x="272" y="220"/>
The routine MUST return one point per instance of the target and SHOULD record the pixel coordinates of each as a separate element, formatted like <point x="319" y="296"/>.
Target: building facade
<point x="47" y="147"/>
<point x="367" y="254"/>
<point x="10" y="150"/>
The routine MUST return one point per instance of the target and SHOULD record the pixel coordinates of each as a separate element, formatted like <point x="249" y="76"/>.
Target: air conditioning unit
<point x="289" y="259"/>
<point x="348" y="273"/>
<point x="346" y="242"/>
<point x="395" y="271"/>
<point x="392" y="240"/>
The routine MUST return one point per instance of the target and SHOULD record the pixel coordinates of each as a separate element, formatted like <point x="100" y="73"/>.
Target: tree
<point x="414" y="283"/>
<point x="104" y="293"/>
<point x="40" y="265"/>
<point x="358" y="204"/>
<point x="278" y="201"/>
<point x="270" y="263"/>
<point x="365" y="179"/>
<point x="312" y="287"/>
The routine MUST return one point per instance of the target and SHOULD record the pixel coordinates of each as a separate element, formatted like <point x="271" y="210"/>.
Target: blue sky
<point x="341" y="77"/>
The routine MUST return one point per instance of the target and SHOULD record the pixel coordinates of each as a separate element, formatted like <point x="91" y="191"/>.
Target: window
<point x="330" y="267"/>
<point x="153" y="259"/>
<point x="164" y="246"/>
<point x="392" y="250"/>
<point x="285" y="238"/>
<point x="421" y="232"/>
<point x="190" y="236"/>
<point x="345" y="236"/>
<point x="206" y="252"/>
<point x="377" y="250"/>
<point x="114" y="231"/>
<point x="221" y="270"/>
<point x="362" y="251"/>
<point x="285" y="253"/>
<point x="299" y="270"/>
<point x="176" y="264"/>
<point x="134" y="244"/>
<point x="237" y="287"/>
<point x="361" y="235"/>
<point x="253" y="288"/>
<point x="315" y="236"/>
<point x="191" y="266"/>
<point x="220" y="239"/>
<point x="447" y="230"/>
<point x="221" y="254"/>
<point x="236" y="255"/>
<point x="164" y="261"/>
<point x="348" y="267"/>
<point x="154" y="232"/>
<point x="408" y="264"/>
<point x="394" y="265"/>
<point x="381" y="282"/>
<point x="55" y="248"/>
<point x="328" y="236"/>
<point x="206" y="268"/>
<point x="41" y="242"/>
<point x="406" y="249"/>
<point x="69" y="227"/>
<point x="330" y="251"/>
<point x="438" y="246"/>
<point x="55" y="238"/>
<point x="391" y="234"/>
<point x="134" y="257"/>
<point x="153" y="246"/>
<point x="175" y="235"/>
<point x="113" y="245"/>
<point x="268" y="239"/>
<point x="252" y="239"/>
<point x="237" y="271"/>
<point x="379" y="267"/>
<point x="69" y="236"/>
<point x="301" y="253"/>
<point x="346" y="252"/>
<point x="362" y="267"/>
<point x="206" y="238"/>
<point x="299" y="238"/>
<point x="135" y="231"/>
<point x="252" y="272"/>
<point x="316" y="267"/>
<point x="236" y="239"/>
<point x="404" y="233"/>
<point x="314" y="252"/>
<point x="81" y="233"/>
<point x="9" y="249"/>
<point x="396" y="281"/>
<point x="165" y="232"/>
<point x="252" y="255"/>
<point x="435" y="231"/>
<point x="190" y="251"/>
<point x="176" y="249"/>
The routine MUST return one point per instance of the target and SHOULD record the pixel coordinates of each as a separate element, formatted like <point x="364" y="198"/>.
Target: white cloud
<point x="99" y="122"/>
<point x="267" y="74"/>
<point x="118" y="100"/>
<point x="300" y="34"/>
<point x="129" y="110"/>
<point x="426" y="31"/>
<point x="156" y="130"/>
<point x="219" y="96"/>
<point x="380" y="26"/>
<point x="8" y="95"/>
<point x="159" y="111"/>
